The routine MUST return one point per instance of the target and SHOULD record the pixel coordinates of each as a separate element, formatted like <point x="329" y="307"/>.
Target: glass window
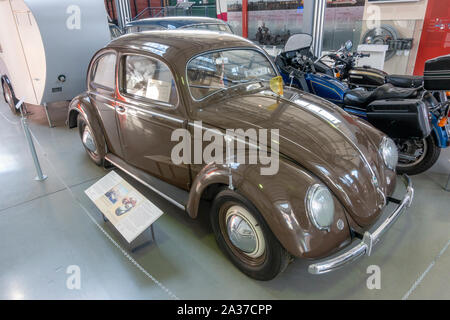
<point x="149" y="78"/>
<point x="214" y="71"/>
<point x="219" y="27"/>
<point x="115" y="31"/>
<point x="132" y="29"/>
<point x="104" y="71"/>
<point x="209" y="26"/>
<point x="196" y="27"/>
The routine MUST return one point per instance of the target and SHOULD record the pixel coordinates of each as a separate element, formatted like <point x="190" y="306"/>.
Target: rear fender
<point x="441" y="136"/>
<point x="81" y="105"/>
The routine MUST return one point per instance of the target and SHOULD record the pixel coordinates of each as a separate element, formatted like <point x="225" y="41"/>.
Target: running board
<point x="163" y="189"/>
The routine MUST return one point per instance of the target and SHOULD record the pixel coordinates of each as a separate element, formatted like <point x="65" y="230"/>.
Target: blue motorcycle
<point x="412" y="117"/>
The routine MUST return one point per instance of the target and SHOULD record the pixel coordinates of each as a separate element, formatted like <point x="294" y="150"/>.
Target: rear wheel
<point x="417" y="155"/>
<point x="9" y="97"/>
<point x="89" y="141"/>
<point x="243" y="235"/>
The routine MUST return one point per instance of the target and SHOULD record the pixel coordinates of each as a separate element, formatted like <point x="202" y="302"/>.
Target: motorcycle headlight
<point x="389" y="153"/>
<point x="320" y="206"/>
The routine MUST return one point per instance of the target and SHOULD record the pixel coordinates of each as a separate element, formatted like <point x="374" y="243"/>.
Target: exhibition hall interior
<point x="225" y="150"/>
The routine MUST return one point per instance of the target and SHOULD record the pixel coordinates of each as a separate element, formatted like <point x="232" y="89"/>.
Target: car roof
<point x="177" y="22"/>
<point x="179" y="45"/>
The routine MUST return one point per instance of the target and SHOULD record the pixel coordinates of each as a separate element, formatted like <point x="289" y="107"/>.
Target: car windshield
<point x="216" y="71"/>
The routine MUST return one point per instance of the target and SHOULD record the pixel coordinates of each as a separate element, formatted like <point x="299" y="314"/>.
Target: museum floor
<point x="47" y="226"/>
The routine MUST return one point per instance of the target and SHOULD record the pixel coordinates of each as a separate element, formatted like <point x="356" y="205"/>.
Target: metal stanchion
<point x="40" y="175"/>
<point x="447" y="186"/>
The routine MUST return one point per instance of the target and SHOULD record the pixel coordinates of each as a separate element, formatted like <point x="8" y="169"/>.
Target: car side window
<point x="148" y="78"/>
<point x="104" y="71"/>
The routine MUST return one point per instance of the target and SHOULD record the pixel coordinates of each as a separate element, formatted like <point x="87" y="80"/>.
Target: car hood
<point x="318" y="136"/>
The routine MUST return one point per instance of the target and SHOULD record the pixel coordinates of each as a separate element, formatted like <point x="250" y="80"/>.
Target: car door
<point x="102" y="75"/>
<point x="148" y="111"/>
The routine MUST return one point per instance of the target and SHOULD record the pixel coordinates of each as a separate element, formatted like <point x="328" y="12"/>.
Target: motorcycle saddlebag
<point x="437" y="73"/>
<point x="400" y="118"/>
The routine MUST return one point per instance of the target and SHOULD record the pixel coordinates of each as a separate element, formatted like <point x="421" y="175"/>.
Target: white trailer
<point x="46" y="46"/>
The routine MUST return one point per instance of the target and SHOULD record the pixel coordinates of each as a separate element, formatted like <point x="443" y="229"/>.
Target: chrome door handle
<point x="120" y="109"/>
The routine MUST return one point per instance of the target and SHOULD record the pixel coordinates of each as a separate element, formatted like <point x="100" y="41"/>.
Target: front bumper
<point x="369" y="240"/>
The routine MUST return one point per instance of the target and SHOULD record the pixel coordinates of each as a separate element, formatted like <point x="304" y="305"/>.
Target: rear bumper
<point x="369" y="240"/>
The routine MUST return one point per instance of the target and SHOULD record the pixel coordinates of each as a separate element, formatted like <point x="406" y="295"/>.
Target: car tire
<point x="429" y="159"/>
<point x="96" y="156"/>
<point x="8" y="95"/>
<point x="265" y="257"/>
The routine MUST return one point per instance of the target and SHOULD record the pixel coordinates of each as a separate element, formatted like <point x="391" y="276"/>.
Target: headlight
<point x="320" y="206"/>
<point x="389" y="153"/>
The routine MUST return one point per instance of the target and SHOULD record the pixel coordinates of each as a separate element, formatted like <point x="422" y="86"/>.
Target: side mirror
<point x="348" y="45"/>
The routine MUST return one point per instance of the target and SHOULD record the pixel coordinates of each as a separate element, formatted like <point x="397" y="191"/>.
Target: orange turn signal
<point x="276" y="85"/>
<point x="443" y="122"/>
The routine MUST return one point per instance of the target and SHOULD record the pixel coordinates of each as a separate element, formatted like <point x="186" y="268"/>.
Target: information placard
<point x="125" y="207"/>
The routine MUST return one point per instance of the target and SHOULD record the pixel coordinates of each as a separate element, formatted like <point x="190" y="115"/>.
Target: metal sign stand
<point x="50" y="124"/>
<point x="137" y="246"/>
<point x="40" y="176"/>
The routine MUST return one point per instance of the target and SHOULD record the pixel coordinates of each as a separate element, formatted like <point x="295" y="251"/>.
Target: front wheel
<point x="417" y="155"/>
<point x="243" y="235"/>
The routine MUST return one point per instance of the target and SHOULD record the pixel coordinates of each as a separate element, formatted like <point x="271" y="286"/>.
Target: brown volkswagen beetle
<point x="335" y="174"/>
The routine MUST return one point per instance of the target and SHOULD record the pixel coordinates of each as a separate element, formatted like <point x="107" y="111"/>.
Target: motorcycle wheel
<point x="418" y="155"/>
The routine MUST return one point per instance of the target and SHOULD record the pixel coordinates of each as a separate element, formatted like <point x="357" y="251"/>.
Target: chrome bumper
<point x="369" y="240"/>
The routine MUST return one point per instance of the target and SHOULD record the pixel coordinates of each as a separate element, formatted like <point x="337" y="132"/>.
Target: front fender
<point x="281" y="201"/>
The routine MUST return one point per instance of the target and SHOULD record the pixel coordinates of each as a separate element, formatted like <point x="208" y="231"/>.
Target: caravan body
<point x="46" y="46"/>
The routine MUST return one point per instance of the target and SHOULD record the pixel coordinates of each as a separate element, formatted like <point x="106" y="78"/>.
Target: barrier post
<point x="40" y="176"/>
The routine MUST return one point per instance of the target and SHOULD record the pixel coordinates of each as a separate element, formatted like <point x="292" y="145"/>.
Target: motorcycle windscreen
<point x="298" y="41"/>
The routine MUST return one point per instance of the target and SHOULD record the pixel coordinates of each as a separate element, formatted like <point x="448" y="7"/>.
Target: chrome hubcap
<point x="412" y="153"/>
<point x="244" y="232"/>
<point x="88" y="141"/>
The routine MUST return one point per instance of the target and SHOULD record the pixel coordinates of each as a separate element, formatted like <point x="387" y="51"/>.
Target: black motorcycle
<point x="367" y="77"/>
<point x="407" y="115"/>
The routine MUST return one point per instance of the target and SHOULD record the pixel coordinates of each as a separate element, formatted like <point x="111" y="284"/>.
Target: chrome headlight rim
<point x="385" y="144"/>
<point x="312" y="190"/>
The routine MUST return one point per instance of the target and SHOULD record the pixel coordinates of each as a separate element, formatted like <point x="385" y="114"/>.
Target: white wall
<point x="407" y="18"/>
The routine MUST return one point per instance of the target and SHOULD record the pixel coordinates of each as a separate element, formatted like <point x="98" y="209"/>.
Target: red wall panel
<point x="435" y="39"/>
